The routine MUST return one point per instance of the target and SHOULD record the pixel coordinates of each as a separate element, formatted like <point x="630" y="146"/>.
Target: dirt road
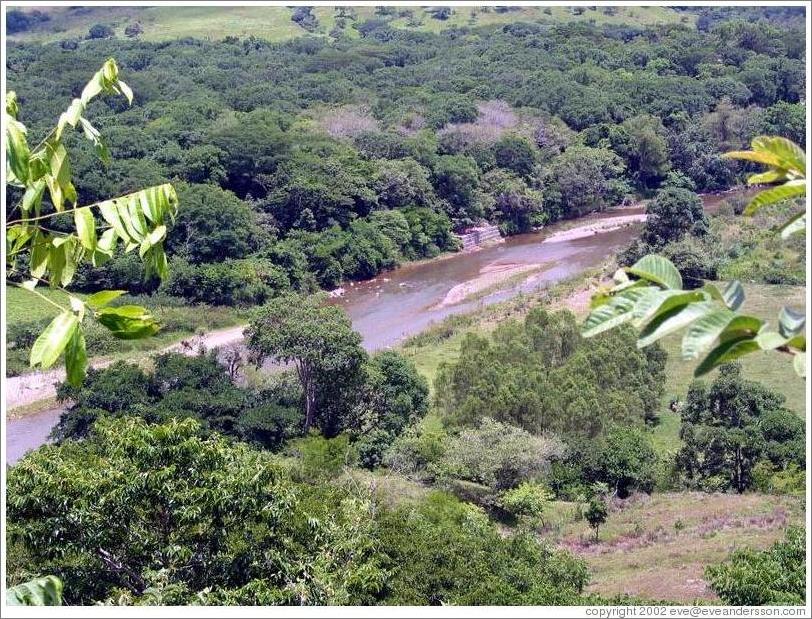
<point x="37" y="386"/>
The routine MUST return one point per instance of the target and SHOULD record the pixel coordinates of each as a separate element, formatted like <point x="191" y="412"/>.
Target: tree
<point x="726" y="429"/>
<point x="582" y="180"/>
<point x="456" y="178"/>
<point x="596" y="513"/>
<point x="657" y="303"/>
<point x="318" y="339"/>
<point x="772" y="577"/>
<point x="139" y="220"/>
<point x="516" y="207"/>
<point x="624" y="460"/>
<point x="672" y="214"/>
<point x="235" y="530"/>
<point x="213" y="225"/>
<point x="100" y="31"/>
<point x="517" y="154"/>
<point x="645" y="150"/>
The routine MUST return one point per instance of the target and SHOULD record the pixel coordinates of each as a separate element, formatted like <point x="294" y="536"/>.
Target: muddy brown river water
<point x="406" y="301"/>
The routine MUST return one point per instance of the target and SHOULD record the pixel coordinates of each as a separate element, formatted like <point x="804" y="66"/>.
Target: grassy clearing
<point x="23" y="306"/>
<point x="24" y="309"/>
<point x="163" y="23"/>
<point x="657" y="547"/>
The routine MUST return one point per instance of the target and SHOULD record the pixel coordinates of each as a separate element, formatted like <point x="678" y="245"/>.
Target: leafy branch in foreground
<point x="36" y="254"/>
<point x="650" y="294"/>
<point x="46" y="591"/>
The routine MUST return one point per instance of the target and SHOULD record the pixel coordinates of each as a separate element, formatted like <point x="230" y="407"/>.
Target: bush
<point x="772" y="577"/>
<point x="529" y="499"/>
<point x="449" y="553"/>
<point x="497" y="455"/>
<point x="100" y="31"/>
<point x="321" y="457"/>
<point x="270" y="425"/>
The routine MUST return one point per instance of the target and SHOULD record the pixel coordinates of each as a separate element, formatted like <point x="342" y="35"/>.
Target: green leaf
<point x="657" y="269"/>
<point x="789" y="154"/>
<point x="614" y="313"/>
<point x="12" y="107"/>
<point x="99" y="299"/>
<point x="51" y="342"/>
<point x="85" y="227"/>
<point x="799" y="363"/>
<point x="770" y="340"/>
<point x="32" y="198"/>
<point x="671" y="321"/>
<point x="92" y="134"/>
<point x="17" y="151"/>
<point x="128" y="322"/>
<point x="662" y="301"/>
<point x="726" y="352"/>
<point x="46" y="591"/>
<point x="717" y="324"/>
<point x="110" y="213"/>
<point x="70" y="117"/>
<point x="733" y="296"/>
<point x="774" y="195"/>
<point x="76" y="358"/>
<point x="40" y="249"/>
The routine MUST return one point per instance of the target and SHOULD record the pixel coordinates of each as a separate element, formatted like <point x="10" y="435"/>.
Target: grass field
<point x="273" y="23"/>
<point x="658" y="546"/>
<point x="23" y="307"/>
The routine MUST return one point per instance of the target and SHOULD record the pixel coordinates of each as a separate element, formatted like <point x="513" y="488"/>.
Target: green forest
<point x="500" y="456"/>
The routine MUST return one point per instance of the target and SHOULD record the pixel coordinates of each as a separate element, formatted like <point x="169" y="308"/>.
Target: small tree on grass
<point x="596" y="513"/>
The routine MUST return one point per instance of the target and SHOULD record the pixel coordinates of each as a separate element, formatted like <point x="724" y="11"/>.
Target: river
<point x="400" y="303"/>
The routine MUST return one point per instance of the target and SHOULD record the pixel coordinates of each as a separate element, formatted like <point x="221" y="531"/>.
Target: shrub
<point x="774" y="577"/>
<point x="528" y="499"/>
<point x="100" y="31"/>
<point x="498" y="455"/>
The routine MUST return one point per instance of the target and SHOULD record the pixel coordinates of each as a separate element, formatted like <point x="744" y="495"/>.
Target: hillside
<point x="275" y="23"/>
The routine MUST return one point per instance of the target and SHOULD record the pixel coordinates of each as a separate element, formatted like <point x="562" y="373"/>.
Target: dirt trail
<point x="29" y="388"/>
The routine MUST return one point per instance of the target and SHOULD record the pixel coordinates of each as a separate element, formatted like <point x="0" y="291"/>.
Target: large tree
<point x="728" y="427"/>
<point x="673" y="213"/>
<point x="317" y="339"/>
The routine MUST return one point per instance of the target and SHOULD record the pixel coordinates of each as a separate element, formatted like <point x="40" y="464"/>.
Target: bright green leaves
<point x="64" y="334"/>
<point x="128" y="322"/>
<point x="787" y="163"/>
<point x="658" y="270"/>
<point x="85" y="227"/>
<point x="17" y="152"/>
<point x="76" y="358"/>
<point x="139" y="220"/>
<point x="52" y="342"/>
<point x="656" y="304"/>
<point x="99" y="299"/>
<point x="45" y="591"/>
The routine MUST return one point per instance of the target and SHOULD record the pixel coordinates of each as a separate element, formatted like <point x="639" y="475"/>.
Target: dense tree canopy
<point x="558" y="382"/>
<point x="580" y="115"/>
